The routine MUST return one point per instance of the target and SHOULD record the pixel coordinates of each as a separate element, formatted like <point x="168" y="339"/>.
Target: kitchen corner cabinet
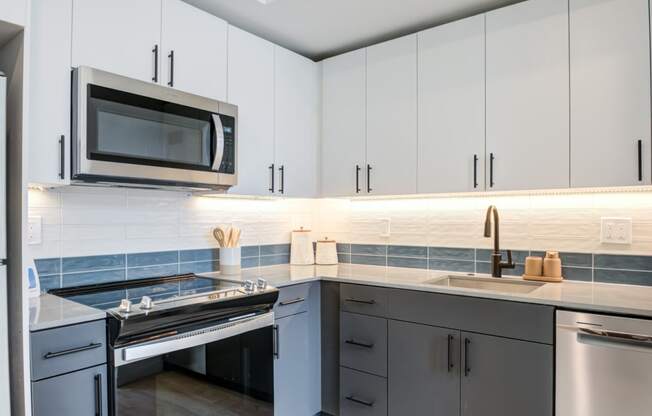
<point x="610" y="93"/>
<point x="251" y="87"/>
<point x="451" y="107"/>
<point x="297" y="109"/>
<point x="527" y="96"/>
<point x="392" y="117"/>
<point x="343" y="148"/>
<point x="49" y="92"/>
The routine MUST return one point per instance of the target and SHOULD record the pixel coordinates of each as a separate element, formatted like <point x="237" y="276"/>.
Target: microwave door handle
<point x="219" y="142"/>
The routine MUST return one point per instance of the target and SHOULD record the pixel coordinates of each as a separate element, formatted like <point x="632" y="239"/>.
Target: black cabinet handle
<point x="62" y="157"/>
<point x="640" y="160"/>
<point x="276" y="343"/>
<point x="451" y="365"/>
<point x="491" y="170"/>
<point x="98" y="394"/>
<point x="359" y="401"/>
<point x="357" y="179"/>
<point x="271" y="174"/>
<point x="291" y="302"/>
<point x="155" y="52"/>
<point x="171" y="57"/>
<point x="366" y="302"/>
<point x="358" y="344"/>
<point x="50" y="355"/>
<point x="475" y="171"/>
<point x="369" y="178"/>
<point x="467" y="367"/>
<point x="281" y="171"/>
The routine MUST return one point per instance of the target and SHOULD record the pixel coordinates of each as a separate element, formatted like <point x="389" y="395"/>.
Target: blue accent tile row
<point x="408" y="251"/>
<point x="152" y="259"/>
<point x="451" y="253"/>
<point x="452" y="265"/>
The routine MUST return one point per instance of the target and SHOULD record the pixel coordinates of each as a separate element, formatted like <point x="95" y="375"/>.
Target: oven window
<point x="128" y="128"/>
<point x="231" y="377"/>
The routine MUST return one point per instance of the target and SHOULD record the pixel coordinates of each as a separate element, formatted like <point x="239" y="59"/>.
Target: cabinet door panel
<point x="198" y="40"/>
<point x="343" y="124"/>
<point x="502" y="376"/>
<point x="49" y="102"/>
<point x="610" y="92"/>
<point x="297" y="109"/>
<point x="73" y="394"/>
<point x="527" y="96"/>
<point x="251" y="88"/>
<point x="392" y="116"/>
<point x="424" y="370"/>
<point x="117" y="36"/>
<point x="451" y="107"/>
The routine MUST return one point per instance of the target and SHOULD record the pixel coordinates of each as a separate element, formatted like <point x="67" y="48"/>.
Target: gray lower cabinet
<point x="505" y="377"/>
<point x="424" y="370"/>
<point x="81" y="393"/>
<point x="362" y="394"/>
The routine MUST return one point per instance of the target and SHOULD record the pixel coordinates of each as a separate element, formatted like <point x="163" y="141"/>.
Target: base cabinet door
<point x="81" y="393"/>
<point x="292" y="379"/>
<point x="424" y="370"/>
<point x="504" y="377"/>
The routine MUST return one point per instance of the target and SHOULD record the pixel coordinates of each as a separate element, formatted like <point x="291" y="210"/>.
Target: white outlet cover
<point x="34" y="230"/>
<point x="615" y="230"/>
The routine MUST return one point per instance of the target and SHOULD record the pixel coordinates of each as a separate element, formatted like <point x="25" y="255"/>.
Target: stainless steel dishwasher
<point x="604" y="365"/>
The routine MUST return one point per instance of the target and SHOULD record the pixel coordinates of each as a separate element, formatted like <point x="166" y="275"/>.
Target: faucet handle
<point x="510" y="264"/>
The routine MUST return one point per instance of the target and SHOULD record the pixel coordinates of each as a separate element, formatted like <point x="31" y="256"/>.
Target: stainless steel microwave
<point x="130" y="132"/>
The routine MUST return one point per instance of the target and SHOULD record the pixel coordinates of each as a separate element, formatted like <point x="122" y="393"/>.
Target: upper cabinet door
<point x="610" y="92"/>
<point x="343" y="125"/>
<point x="451" y="107"/>
<point x="392" y="116"/>
<point x="297" y="110"/>
<point x="251" y="88"/>
<point x="118" y="36"/>
<point x="49" y="101"/>
<point x="527" y="96"/>
<point x="13" y="11"/>
<point x="194" y="45"/>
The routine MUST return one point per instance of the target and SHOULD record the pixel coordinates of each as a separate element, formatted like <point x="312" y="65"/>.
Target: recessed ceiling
<point x="323" y="28"/>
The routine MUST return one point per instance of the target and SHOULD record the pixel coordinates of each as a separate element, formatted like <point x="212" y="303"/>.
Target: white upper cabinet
<point x="194" y="50"/>
<point x="392" y="116"/>
<point x="49" y="92"/>
<point x="118" y="36"/>
<point x="451" y="107"/>
<point x="527" y="96"/>
<point x="251" y="88"/>
<point x="297" y="113"/>
<point x="343" y="125"/>
<point x="610" y="92"/>
<point x="13" y="11"/>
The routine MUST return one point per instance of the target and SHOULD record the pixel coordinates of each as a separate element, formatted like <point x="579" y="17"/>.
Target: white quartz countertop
<point x="49" y="311"/>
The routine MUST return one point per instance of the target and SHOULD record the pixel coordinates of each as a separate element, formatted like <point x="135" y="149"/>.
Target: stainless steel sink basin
<point x="489" y="284"/>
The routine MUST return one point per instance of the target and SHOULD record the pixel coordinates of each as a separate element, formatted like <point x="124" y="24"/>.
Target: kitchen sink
<point x="490" y="284"/>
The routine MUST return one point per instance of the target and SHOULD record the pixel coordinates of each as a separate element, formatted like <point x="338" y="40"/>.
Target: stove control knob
<point x="125" y="306"/>
<point x="146" y="303"/>
<point x="248" y="286"/>
<point x="261" y="283"/>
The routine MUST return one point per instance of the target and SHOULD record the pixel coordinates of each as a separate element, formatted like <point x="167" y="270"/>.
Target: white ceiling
<point x="323" y="28"/>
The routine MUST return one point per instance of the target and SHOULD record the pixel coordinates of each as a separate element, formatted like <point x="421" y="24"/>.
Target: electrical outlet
<point x="387" y="227"/>
<point x="34" y="230"/>
<point x="616" y="230"/>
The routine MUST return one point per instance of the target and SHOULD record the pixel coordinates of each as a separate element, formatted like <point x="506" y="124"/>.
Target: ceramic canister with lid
<point x="301" y="251"/>
<point x="326" y="252"/>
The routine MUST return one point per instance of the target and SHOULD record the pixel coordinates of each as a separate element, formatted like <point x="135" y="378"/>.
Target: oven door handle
<point x="127" y="355"/>
<point x="218" y="144"/>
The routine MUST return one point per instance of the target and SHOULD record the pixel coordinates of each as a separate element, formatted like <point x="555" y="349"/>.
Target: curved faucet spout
<point x="497" y="265"/>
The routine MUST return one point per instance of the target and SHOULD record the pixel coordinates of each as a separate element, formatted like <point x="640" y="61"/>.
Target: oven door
<point x="216" y="374"/>
<point x="131" y="131"/>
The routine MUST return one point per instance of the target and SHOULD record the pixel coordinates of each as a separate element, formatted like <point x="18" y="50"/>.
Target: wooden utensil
<point x="218" y="233"/>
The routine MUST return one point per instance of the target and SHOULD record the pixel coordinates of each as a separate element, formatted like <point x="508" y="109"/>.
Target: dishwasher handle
<point x="612" y="337"/>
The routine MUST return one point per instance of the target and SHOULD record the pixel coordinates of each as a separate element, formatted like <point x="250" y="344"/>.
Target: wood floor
<point x="177" y="394"/>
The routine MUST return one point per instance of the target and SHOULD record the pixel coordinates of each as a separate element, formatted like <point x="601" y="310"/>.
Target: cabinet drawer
<point x="80" y="393"/>
<point x="62" y="350"/>
<point x="523" y="321"/>
<point x="292" y="300"/>
<point x="362" y="394"/>
<point x="363" y="343"/>
<point x="369" y="300"/>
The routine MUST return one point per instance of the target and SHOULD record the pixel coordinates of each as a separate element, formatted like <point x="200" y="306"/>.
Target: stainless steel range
<point x="187" y="345"/>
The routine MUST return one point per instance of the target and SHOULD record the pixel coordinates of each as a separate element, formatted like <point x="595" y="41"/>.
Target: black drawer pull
<point x="475" y="171"/>
<point x="98" y="394"/>
<point x="155" y="52"/>
<point x="366" y="302"/>
<point x="171" y="57"/>
<point x="291" y="302"/>
<point x="359" y="401"/>
<point x="358" y="344"/>
<point x="640" y="160"/>
<point x="62" y="157"/>
<point x="71" y="351"/>
<point x="451" y="365"/>
<point x="467" y="367"/>
<point x="357" y="179"/>
<point x="271" y="170"/>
